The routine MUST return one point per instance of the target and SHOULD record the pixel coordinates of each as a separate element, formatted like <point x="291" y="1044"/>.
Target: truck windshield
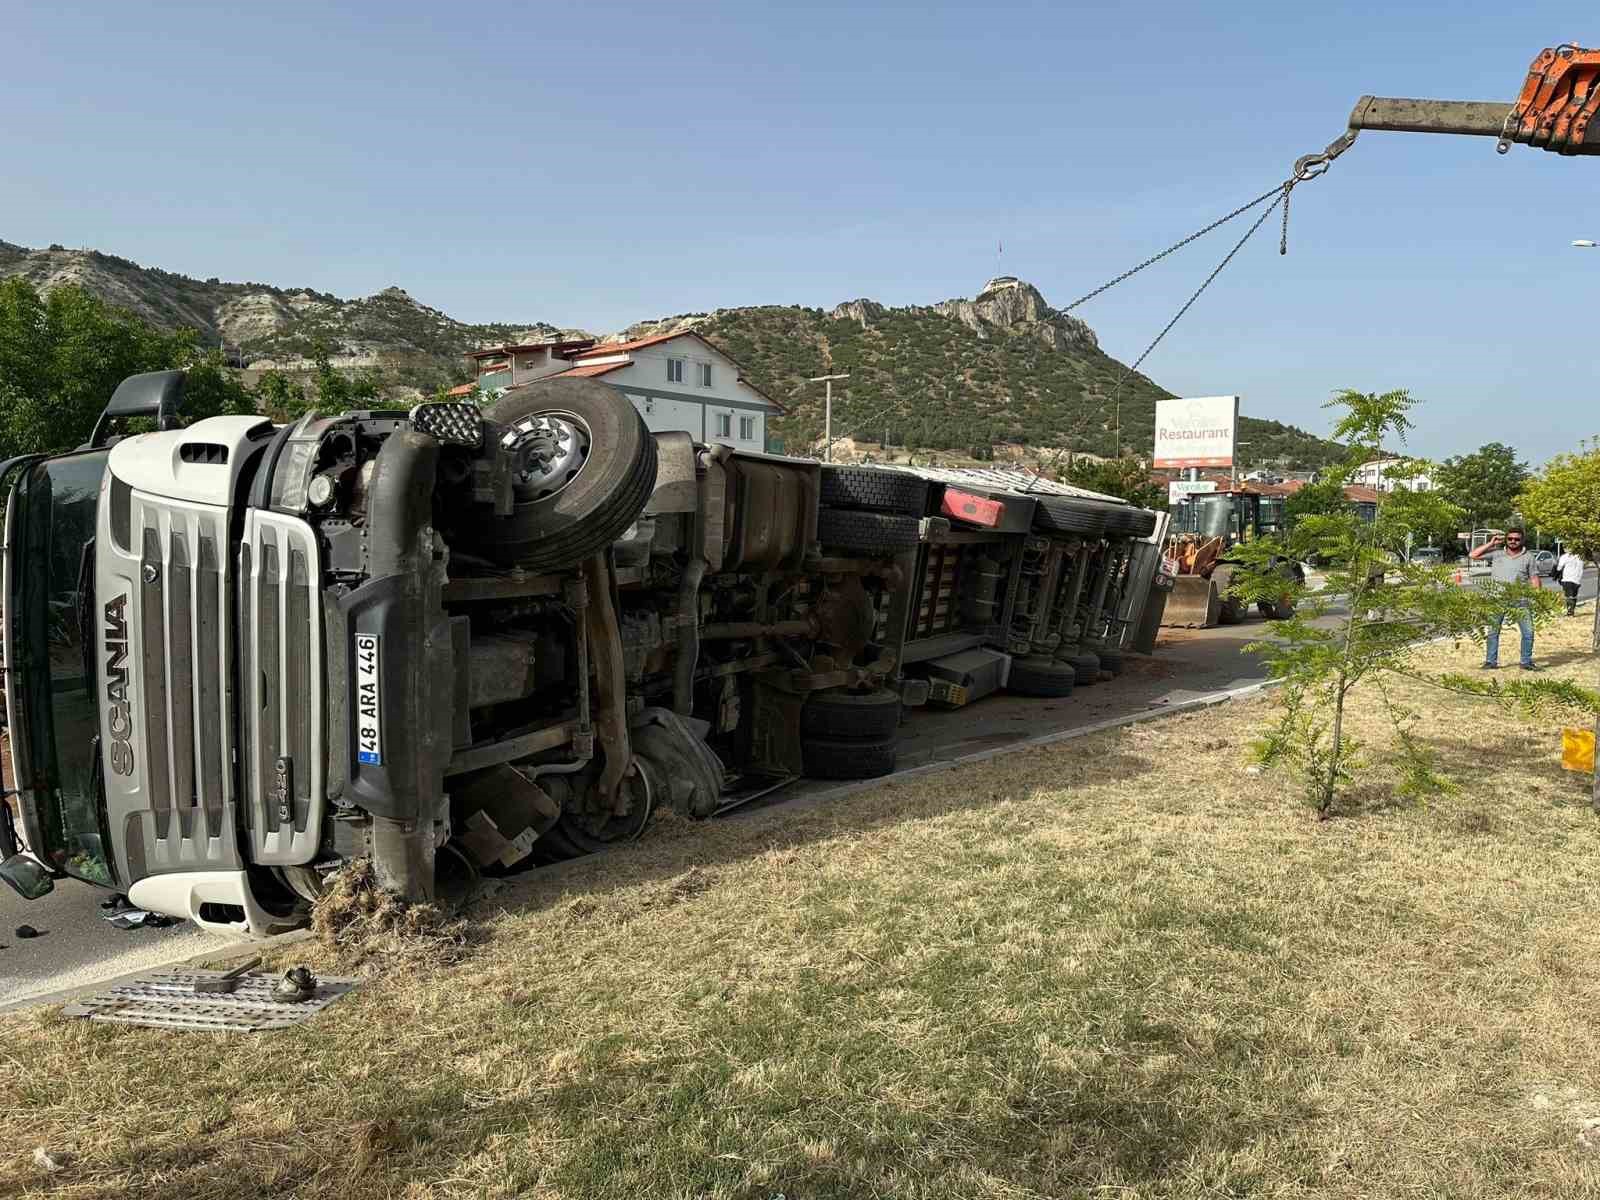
<point x="49" y="610"/>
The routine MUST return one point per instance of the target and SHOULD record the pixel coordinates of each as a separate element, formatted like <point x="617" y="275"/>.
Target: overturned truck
<point x="455" y="641"/>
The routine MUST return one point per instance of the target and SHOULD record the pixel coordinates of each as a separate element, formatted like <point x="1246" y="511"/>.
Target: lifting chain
<point x="1307" y="166"/>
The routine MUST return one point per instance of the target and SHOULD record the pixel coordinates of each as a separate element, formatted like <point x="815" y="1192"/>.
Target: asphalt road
<point x="77" y="946"/>
<point x="80" y="947"/>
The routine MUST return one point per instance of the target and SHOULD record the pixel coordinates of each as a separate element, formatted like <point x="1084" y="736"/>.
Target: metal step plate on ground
<point x="167" y="1000"/>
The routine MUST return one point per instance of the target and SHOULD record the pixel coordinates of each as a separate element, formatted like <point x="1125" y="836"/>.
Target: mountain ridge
<point x="275" y="327"/>
<point x="994" y="373"/>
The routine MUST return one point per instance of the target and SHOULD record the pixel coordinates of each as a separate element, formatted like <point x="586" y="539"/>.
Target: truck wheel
<point x="1086" y="667"/>
<point x="589" y="826"/>
<point x="1282" y="610"/>
<point x="304" y="882"/>
<point x="874" y="489"/>
<point x="867" y="533"/>
<point x="869" y="716"/>
<point x="687" y="771"/>
<point x="1130" y="522"/>
<point x="1063" y="514"/>
<point x="1110" y="660"/>
<point x="1040" y="676"/>
<point x="846" y="758"/>
<point x="592" y="470"/>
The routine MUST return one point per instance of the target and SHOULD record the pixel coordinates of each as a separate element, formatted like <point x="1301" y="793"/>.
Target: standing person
<point x="1569" y="569"/>
<point x="1509" y="562"/>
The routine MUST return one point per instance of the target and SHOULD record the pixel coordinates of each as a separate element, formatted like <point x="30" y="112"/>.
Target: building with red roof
<point x="677" y="381"/>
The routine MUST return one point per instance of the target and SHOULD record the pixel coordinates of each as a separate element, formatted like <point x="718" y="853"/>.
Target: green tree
<point x="338" y="392"/>
<point x="1484" y="484"/>
<point x="62" y="355"/>
<point x="1125" y="478"/>
<point x="1408" y="519"/>
<point x="1564" y="500"/>
<point x="281" y="397"/>
<point x="1321" y="498"/>
<point x="327" y="390"/>
<point x="1388" y="608"/>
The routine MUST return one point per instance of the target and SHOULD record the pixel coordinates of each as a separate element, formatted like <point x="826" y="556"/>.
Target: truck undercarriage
<point x="460" y="642"/>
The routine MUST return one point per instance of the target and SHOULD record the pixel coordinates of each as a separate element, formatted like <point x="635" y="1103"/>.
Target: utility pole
<point x="827" y="414"/>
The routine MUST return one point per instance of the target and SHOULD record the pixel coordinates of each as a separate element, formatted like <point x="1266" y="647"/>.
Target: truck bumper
<point x="397" y="731"/>
<point x="217" y="901"/>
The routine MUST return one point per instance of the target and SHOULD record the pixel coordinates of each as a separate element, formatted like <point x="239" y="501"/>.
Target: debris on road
<point x="28" y="931"/>
<point x="177" y="998"/>
<point x="228" y="982"/>
<point x="121" y="914"/>
<point x="296" y="986"/>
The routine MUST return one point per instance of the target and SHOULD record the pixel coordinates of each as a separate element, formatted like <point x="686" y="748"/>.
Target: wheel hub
<point x="553" y="449"/>
<point x="596" y="821"/>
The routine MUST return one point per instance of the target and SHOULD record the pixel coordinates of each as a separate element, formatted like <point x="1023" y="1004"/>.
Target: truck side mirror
<point x="27" y="876"/>
<point x="157" y="394"/>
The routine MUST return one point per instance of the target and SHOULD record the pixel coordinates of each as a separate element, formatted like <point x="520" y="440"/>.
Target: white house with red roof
<point x="677" y="381"/>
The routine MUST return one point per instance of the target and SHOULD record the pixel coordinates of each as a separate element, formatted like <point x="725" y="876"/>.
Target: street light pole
<point x="827" y="414"/>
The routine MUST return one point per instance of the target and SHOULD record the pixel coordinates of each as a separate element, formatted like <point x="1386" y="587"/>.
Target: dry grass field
<point x="1123" y="966"/>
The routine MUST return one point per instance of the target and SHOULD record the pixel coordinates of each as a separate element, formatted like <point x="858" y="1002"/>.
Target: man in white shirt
<point x="1569" y="569"/>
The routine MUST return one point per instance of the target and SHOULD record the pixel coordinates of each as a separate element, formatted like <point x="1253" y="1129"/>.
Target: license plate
<point x="369" y="715"/>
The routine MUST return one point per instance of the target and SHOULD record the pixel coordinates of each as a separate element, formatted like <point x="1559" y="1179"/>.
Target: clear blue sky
<point x="595" y="165"/>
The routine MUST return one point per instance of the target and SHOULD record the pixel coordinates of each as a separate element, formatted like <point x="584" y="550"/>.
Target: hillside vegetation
<point x="265" y="327"/>
<point x="963" y="375"/>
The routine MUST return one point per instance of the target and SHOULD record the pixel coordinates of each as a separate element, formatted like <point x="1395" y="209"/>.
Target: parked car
<point x="1431" y="556"/>
<point x="1544" y="562"/>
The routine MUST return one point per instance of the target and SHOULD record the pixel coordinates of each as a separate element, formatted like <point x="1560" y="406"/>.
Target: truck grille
<point x="175" y="808"/>
<point x="183" y="680"/>
<point x="281" y="651"/>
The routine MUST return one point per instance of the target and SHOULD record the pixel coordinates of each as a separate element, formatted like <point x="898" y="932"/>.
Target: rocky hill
<point x="278" y="327"/>
<point x="1002" y="369"/>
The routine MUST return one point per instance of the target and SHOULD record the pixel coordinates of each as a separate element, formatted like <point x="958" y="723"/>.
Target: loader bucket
<point x="1194" y="603"/>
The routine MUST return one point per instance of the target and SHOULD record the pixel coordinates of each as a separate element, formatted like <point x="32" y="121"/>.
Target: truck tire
<point x="839" y="713"/>
<point x="1086" y="665"/>
<point x="593" y="490"/>
<point x="1280" y="610"/>
<point x="846" y="758"/>
<point x="1064" y="514"/>
<point x="1130" y="522"/>
<point x="1110" y="659"/>
<point x="867" y="533"/>
<point x="1040" y="676"/>
<point x="875" y="490"/>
